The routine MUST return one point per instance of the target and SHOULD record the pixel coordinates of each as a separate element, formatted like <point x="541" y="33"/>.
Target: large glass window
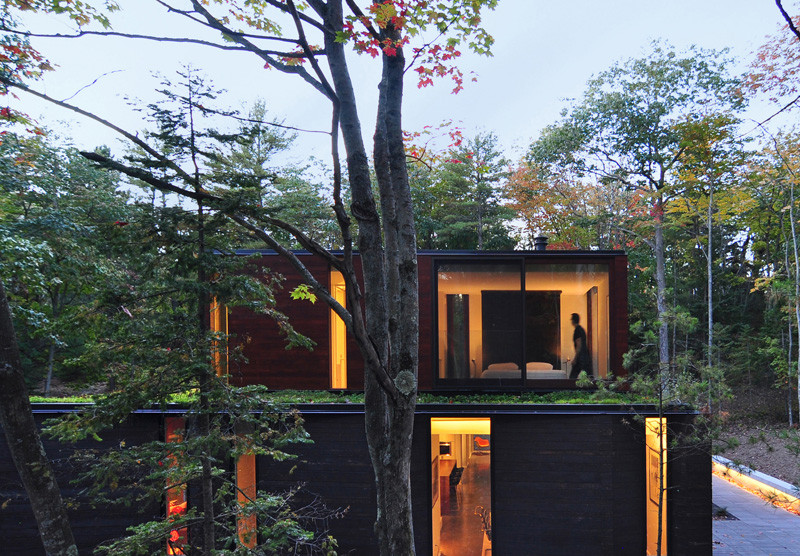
<point x="497" y="318"/>
<point x="480" y="320"/>
<point x="338" y="329"/>
<point x="555" y="295"/>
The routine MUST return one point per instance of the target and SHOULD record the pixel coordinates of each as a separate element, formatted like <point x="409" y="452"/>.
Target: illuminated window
<point x="219" y="328"/>
<point x="461" y="492"/>
<point x="338" y="334"/>
<point x="500" y="317"/>
<point x="176" y="493"/>
<point x="656" y="468"/>
<point x="246" y="493"/>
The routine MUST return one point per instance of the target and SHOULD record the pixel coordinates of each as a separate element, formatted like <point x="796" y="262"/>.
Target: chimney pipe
<point x="540" y="243"/>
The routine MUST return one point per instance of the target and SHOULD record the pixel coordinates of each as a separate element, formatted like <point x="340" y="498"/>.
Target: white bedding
<point x="536" y="370"/>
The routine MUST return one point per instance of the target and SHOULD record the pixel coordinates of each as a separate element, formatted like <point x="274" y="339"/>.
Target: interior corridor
<point x="462" y="532"/>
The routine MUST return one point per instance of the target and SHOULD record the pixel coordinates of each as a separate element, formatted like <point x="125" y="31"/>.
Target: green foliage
<point x="58" y="218"/>
<point x="459" y="201"/>
<point x="303" y="292"/>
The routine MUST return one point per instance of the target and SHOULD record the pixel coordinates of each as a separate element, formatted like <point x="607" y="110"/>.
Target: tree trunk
<point x="710" y="276"/>
<point x="796" y="277"/>
<point x="661" y="288"/>
<point x="389" y="336"/>
<point x="25" y="445"/>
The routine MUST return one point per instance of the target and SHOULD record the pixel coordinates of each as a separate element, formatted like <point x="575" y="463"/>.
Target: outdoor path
<point x="760" y="530"/>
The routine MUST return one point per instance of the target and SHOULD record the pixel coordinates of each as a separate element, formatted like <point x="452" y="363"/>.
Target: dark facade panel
<point x="264" y="347"/>
<point x="91" y="525"/>
<point x="553" y="485"/>
<point x="689" y="471"/>
<point x="565" y="483"/>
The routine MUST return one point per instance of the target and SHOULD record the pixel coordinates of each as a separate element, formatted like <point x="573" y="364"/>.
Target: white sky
<point x="544" y="53"/>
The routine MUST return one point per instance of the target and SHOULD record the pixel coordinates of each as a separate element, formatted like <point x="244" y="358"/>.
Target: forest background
<point x="657" y="155"/>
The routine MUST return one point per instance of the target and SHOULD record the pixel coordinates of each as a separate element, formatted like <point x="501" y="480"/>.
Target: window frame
<point x="522" y="259"/>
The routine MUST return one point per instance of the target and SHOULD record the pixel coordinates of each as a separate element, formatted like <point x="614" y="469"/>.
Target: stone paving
<point x="760" y="528"/>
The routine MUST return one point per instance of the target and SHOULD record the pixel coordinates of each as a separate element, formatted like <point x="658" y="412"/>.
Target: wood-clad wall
<point x="558" y="489"/>
<point x="618" y="317"/>
<point x="264" y="347"/>
<point x="91" y="526"/>
<point x="565" y="481"/>
<point x="268" y="362"/>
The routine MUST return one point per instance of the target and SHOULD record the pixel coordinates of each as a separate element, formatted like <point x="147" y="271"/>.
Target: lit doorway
<point x="656" y="468"/>
<point x="461" y="486"/>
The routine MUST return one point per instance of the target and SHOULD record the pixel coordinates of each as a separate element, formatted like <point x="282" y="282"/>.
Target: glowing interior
<point x="460" y="446"/>
<point x="575" y="288"/>
<point x="338" y="334"/>
<point x="219" y="346"/>
<point x="656" y="441"/>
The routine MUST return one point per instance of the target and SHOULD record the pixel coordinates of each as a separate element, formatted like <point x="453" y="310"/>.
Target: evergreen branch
<point x="150" y="179"/>
<point x="131" y="137"/>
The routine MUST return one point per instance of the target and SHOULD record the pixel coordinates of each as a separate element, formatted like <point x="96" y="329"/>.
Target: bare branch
<point x="155" y="38"/>
<point x="273" y="124"/>
<point x="301" y="33"/>
<point x="214" y="23"/>
<point x="788" y="19"/>
<point x="761" y="123"/>
<point x="73" y="95"/>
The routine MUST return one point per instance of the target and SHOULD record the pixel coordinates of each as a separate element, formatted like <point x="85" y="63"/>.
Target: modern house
<point x="484" y="317"/>
<point x="502" y="478"/>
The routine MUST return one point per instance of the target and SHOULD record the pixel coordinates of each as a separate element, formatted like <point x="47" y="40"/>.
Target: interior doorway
<point x="461" y="486"/>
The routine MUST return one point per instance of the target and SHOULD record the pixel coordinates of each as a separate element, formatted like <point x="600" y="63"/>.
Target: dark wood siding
<point x="91" y="526"/>
<point x="565" y="481"/>
<point x="336" y="467"/>
<point x="426" y="324"/>
<point x="618" y="308"/>
<point x="689" y="497"/>
<point x="355" y="363"/>
<point x="263" y="345"/>
<point x="553" y="485"/>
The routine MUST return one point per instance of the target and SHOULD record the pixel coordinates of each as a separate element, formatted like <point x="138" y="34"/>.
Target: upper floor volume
<point x="489" y="321"/>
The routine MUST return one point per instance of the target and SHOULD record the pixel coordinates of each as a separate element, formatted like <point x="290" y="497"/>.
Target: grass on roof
<point x="324" y="396"/>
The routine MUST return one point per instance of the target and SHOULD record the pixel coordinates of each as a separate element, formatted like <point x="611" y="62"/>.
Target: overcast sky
<point x="544" y="53"/>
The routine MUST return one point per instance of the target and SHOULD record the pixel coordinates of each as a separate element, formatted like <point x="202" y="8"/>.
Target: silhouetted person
<point x="582" y="361"/>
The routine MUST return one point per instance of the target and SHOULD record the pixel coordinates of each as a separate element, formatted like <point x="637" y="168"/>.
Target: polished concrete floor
<point x="462" y="534"/>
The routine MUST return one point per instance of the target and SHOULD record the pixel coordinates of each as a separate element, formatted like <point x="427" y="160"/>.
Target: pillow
<point x="503" y="367"/>
<point x="539" y="366"/>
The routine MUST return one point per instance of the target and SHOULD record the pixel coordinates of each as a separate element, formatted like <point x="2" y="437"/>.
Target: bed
<point x="535" y="370"/>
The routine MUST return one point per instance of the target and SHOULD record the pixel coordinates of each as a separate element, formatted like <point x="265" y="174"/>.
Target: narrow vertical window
<point x="246" y="493"/>
<point x="219" y="329"/>
<point x="338" y="334"/>
<point x="176" y="491"/>
<point x="656" y="467"/>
